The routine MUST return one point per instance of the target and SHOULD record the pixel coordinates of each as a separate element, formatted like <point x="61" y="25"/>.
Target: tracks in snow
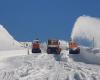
<point x="45" y="67"/>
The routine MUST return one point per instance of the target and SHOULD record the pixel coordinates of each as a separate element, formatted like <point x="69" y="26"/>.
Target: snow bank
<point x="90" y="55"/>
<point x="6" y="40"/>
<point x="86" y="31"/>
<point x="11" y="53"/>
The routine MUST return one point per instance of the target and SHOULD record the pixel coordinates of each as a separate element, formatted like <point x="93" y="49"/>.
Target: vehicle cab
<point x="53" y="46"/>
<point x="73" y="48"/>
<point x="36" y="46"/>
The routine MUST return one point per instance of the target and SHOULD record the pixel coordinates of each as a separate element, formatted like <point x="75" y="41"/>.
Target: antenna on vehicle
<point x="93" y="42"/>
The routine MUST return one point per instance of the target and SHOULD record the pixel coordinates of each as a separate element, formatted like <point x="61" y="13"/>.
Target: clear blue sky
<point x="29" y="19"/>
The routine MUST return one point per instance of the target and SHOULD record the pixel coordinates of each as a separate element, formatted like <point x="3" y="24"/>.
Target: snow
<point x="44" y="66"/>
<point x="91" y="55"/>
<point x="11" y="53"/>
<point x="7" y="41"/>
<point x="86" y="31"/>
<point x="63" y="44"/>
<point x="17" y="64"/>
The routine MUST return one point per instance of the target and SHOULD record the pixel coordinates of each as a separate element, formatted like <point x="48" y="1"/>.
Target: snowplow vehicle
<point x="36" y="46"/>
<point x="73" y="48"/>
<point x="53" y="46"/>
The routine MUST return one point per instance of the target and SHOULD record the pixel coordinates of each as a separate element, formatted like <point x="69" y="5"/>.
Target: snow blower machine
<point x="36" y="46"/>
<point x="53" y="46"/>
<point x="73" y="48"/>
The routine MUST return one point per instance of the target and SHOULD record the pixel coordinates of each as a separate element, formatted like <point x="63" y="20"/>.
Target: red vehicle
<point x="53" y="46"/>
<point x="73" y="48"/>
<point x="36" y="46"/>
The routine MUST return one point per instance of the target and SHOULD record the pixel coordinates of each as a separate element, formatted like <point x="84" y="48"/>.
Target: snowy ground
<point x="11" y="53"/>
<point x="45" y="66"/>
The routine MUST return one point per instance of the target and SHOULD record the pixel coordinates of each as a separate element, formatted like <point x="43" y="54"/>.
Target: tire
<point x="36" y="51"/>
<point x="71" y="51"/>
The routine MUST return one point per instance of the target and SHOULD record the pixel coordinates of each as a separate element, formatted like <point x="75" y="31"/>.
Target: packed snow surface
<point x="86" y="31"/>
<point x="43" y="66"/>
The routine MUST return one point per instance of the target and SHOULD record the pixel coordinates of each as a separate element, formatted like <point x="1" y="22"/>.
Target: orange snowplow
<point x="73" y="48"/>
<point x="36" y="46"/>
<point x="53" y="46"/>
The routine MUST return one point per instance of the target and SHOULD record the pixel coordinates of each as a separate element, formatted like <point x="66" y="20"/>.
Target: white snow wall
<point x="86" y="31"/>
<point x="6" y="40"/>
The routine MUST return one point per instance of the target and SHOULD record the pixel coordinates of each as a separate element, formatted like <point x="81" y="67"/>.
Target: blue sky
<point x="29" y="19"/>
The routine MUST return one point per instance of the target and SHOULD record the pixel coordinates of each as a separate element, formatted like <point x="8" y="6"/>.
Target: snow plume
<point x="86" y="31"/>
<point x="6" y="40"/>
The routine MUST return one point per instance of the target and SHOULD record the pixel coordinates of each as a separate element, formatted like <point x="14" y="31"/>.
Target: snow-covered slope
<point x="86" y="31"/>
<point x="6" y="40"/>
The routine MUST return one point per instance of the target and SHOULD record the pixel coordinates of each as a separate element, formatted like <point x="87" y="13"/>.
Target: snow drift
<point x="86" y="31"/>
<point x="6" y="40"/>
